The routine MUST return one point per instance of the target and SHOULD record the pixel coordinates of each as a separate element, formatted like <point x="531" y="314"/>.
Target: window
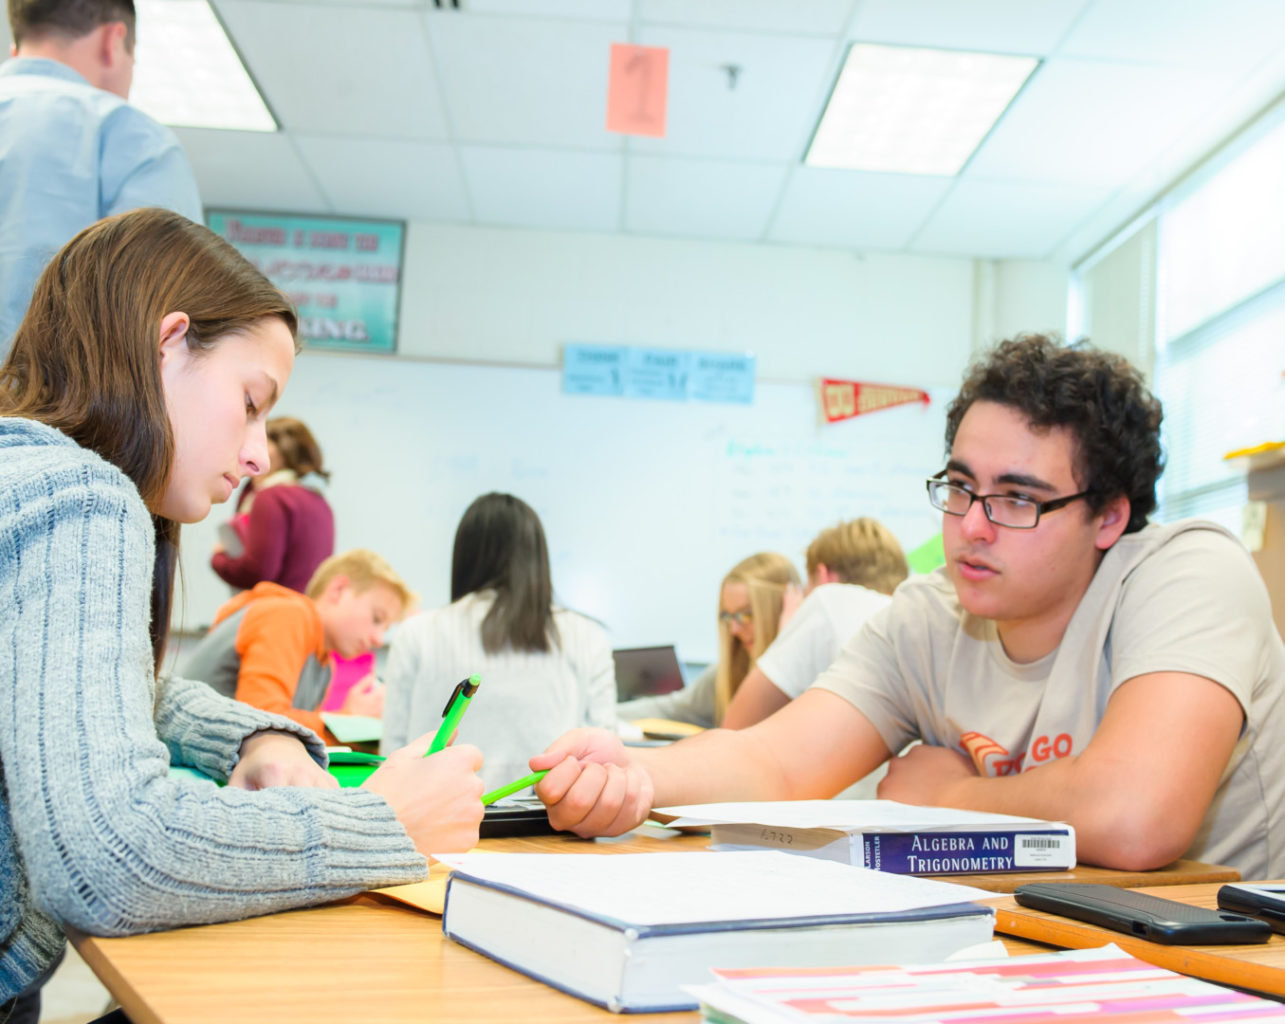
<point x="1220" y="337"/>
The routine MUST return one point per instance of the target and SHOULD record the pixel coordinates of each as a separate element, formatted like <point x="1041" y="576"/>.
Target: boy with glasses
<point x="1069" y="662"/>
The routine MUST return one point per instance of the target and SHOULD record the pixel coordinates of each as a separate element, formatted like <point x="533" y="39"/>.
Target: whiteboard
<point x="646" y="504"/>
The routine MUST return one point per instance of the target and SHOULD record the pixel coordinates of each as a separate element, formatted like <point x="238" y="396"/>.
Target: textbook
<point x="627" y="931"/>
<point x="1076" y="986"/>
<point x="885" y="835"/>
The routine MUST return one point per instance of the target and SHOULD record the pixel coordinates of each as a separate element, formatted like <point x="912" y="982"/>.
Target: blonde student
<point x="544" y="668"/>
<point x="133" y="399"/>
<point x="272" y="647"/>
<point x="751" y="600"/>
<point x="852" y="568"/>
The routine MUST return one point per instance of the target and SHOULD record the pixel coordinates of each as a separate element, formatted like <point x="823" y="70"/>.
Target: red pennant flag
<point x="844" y="399"/>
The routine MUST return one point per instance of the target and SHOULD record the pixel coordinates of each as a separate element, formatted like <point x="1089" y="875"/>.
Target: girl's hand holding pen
<point x="438" y="799"/>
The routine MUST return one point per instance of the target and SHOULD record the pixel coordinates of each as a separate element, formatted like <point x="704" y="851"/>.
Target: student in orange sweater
<point x="270" y="646"/>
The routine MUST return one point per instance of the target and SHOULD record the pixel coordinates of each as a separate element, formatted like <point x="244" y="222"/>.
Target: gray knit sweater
<point x="93" y="831"/>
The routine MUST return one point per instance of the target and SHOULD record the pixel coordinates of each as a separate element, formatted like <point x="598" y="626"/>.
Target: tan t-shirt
<point x="1184" y="597"/>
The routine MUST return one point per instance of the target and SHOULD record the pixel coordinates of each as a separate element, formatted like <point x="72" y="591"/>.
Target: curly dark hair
<point x="1096" y="395"/>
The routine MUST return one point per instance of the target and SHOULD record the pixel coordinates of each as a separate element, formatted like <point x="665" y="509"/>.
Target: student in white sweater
<point x="544" y="669"/>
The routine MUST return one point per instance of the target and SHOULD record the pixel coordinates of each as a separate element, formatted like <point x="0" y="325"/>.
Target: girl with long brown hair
<point x="133" y="399"/>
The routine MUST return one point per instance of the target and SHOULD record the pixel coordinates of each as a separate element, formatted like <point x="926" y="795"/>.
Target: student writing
<point x="545" y="669"/>
<point x="851" y="568"/>
<point x="132" y="400"/>
<point x="270" y="646"/>
<point x="1069" y="662"/>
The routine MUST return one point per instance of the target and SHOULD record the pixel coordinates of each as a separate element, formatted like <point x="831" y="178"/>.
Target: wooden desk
<point x="1180" y="872"/>
<point x="1259" y="967"/>
<point x="367" y="958"/>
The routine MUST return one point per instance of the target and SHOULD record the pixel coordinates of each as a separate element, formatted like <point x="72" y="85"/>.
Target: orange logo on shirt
<point x="979" y="748"/>
<point x="982" y="749"/>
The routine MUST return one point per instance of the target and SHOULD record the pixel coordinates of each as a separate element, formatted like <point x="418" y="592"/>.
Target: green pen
<point x="453" y="712"/>
<point x="513" y="787"/>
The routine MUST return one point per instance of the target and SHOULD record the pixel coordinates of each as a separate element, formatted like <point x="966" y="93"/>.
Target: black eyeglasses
<point x="1000" y="509"/>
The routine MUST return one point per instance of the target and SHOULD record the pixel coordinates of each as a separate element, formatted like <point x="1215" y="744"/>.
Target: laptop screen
<point x="646" y="671"/>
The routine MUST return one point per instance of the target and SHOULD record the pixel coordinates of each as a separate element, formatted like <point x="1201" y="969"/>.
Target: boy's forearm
<point x="717" y="765"/>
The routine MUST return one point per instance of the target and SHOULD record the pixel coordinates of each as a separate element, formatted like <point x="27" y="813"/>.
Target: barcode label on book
<point x="1040" y="850"/>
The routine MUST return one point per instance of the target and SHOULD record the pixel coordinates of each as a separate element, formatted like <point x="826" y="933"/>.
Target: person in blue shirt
<point x="72" y="150"/>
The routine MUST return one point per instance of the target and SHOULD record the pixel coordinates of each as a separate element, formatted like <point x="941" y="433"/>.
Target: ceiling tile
<point x="854" y="209"/>
<point x="526" y="81"/>
<point x="816" y="17"/>
<point x="587" y="10"/>
<point x="329" y="69"/>
<point x="402" y="180"/>
<point x="1092" y="123"/>
<point x="765" y="110"/>
<point x="1006" y="220"/>
<point x="250" y="170"/>
<point x="1203" y="33"/>
<point x="700" y="198"/>
<point x="544" y="188"/>
<point x="990" y="26"/>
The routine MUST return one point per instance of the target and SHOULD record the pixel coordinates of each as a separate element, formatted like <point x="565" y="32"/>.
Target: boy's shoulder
<point x="269" y="600"/>
<point x="1201" y="547"/>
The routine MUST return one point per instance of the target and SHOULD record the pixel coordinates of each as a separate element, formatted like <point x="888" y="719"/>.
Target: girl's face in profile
<point x="218" y="402"/>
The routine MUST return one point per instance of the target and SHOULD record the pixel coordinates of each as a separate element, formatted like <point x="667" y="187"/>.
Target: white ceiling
<point x="494" y="114"/>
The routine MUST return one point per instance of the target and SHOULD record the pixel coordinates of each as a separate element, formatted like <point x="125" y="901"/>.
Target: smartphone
<point x="1148" y="917"/>
<point x="1263" y="901"/>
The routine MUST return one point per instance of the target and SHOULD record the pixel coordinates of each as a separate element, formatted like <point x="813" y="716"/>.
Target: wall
<point x="1012" y="297"/>
<point x="495" y="295"/>
<point x="503" y="302"/>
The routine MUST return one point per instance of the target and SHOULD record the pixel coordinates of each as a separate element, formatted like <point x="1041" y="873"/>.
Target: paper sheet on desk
<point x="653" y="888"/>
<point x="428" y="895"/>
<point x="353" y="728"/>
<point x="834" y="814"/>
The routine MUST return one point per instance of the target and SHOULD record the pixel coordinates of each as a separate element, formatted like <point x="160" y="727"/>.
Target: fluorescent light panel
<point x="910" y="110"/>
<point x="188" y="73"/>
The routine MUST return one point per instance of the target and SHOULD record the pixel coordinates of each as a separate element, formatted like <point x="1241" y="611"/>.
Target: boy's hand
<point x="593" y="788"/>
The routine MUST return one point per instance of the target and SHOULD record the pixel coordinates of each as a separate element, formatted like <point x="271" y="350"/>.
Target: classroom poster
<point x="343" y="275"/>
<point x="673" y="375"/>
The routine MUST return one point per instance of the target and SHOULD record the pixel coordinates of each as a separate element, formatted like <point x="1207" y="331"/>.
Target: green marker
<point x="453" y="712"/>
<point x="513" y="787"/>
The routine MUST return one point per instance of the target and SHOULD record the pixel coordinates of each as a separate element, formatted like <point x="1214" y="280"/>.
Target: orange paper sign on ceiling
<point x="637" y="89"/>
